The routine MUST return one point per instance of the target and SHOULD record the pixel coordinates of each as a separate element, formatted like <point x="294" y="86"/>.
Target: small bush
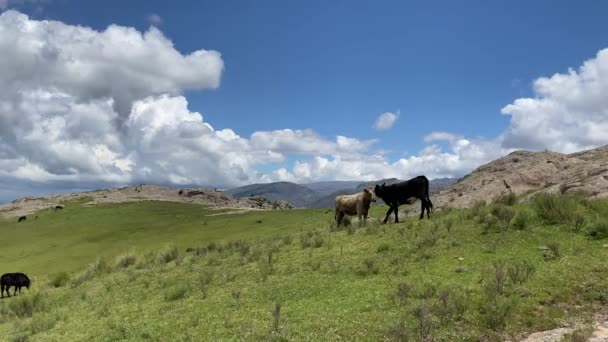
<point x="578" y="221"/>
<point x="507" y="199"/>
<point x="125" y="261"/>
<point x="384" y="247"/>
<point x="449" y="223"/>
<point x="25" y="306"/>
<point x="236" y="295"/>
<point x="521" y="220"/>
<point x="598" y="229"/>
<point x="42" y="322"/>
<point x="488" y="222"/>
<point x="422" y="313"/>
<point x="204" y="282"/>
<point x="367" y="267"/>
<point x="494" y="282"/>
<point x="504" y="214"/>
<point x="495" y="313"/>
<point x="276" y="316"/>
<point x="60" y="279"/>
<point x="287" y="240"/>
<point x="427" y="241"/>
<point x="518" y="273"/>
<point x="167" y="255"/>
<point x="402" y="293"/>
<point x="176" y="292"/>
<point x="554" y="249"/>
<point x="398" y="332"/>
<point x="317" y="241"/>
<point x="265" y="269"/>
<point x="554" y="209"/>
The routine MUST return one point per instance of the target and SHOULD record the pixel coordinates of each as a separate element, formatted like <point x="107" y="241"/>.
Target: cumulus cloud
<point x="569" y="112"/>
<point x="155" y="19"/>
<point x="84" y="108"/>
<point x="385" y="121"/>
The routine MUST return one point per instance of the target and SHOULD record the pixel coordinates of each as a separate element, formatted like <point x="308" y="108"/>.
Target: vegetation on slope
<point x="490" y="272"/>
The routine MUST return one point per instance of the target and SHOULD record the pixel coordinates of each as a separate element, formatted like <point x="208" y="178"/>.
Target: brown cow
<point x="356" y="204"/>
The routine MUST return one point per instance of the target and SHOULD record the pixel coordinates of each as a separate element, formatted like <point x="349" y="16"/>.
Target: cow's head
<point x="370" y="192"/>
<point x="379" y="189"/>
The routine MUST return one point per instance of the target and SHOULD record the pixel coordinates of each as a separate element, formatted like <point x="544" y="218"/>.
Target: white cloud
<point x="442" y="136"/>
<point x="155" y="19"/>
<point x="85" y="108"/>
<point x="385" y="121"/>
<point x="569" y="112"/>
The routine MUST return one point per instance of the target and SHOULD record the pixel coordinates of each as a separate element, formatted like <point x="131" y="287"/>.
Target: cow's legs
<point x="396" y="210"/>
<point x="15" y="293"/>
<point x="339" y="217"/>
<point x="388" y="213"/>
<point x="2" y="291"/>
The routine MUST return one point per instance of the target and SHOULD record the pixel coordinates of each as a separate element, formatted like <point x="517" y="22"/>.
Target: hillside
<point x="293" y="277"/>
<point x="292" y="193"/>
<point x="525" y="173"/>
<point x="207" y="197"/>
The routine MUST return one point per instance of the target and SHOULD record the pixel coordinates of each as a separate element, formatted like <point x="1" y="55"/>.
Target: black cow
<point x="22" y="218"/>
<point x="403" y="193"/>
<point x="18" y="280"/>
<point x="58" y="207"/>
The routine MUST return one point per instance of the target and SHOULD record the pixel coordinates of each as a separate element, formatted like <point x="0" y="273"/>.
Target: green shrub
<point x="176" y="292"/>
<point x="507" y="199"/>
<point x="368" y="266"/>
<point x="25" y="306"/>
<point x="495" y="312"/>
<point x="598" y="228"/>
<point x="522" y="219"/>
<point x="59" y="279"/>
<point x="384" y="247"/>
<point x="519" y="272"/>
<point x="554" y="209"/>
<point x="168" y="254"/>
<point x="125" y="261"/>
<point x="504" y="214"/>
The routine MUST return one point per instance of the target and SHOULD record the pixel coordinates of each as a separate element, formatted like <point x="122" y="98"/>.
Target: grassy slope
<point x="69" y="239"/>
<point x="329" y="292"/>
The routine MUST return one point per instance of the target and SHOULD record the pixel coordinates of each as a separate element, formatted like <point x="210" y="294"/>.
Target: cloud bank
<point x="80" y="108"/>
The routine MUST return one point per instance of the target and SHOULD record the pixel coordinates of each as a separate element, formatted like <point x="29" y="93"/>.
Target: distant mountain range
<point x="319" y="194"/>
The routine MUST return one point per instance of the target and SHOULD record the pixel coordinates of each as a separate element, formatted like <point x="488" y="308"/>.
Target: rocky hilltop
<point x="525" y="173"/>
<point x="207" y="197"/>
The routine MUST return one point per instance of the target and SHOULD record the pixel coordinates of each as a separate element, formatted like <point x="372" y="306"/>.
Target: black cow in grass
<point x="18" y="280"/>
<point x="404" y="193"/>
<point x="22" y="218"/>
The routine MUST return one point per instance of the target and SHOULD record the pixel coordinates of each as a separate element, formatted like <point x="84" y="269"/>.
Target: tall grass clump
<point x="25" y="306"/>
<point x="126" y="260"/>
<point x="553" y="208"/>
<point x="94" y="269"/>
<point x="168" y="254"/>
<point x="504" y="214"/>
<point x="509" y="199"/>
<point x="598" y="228"/>
<point x="59" y="279"/>
<point x="522" y="219"/>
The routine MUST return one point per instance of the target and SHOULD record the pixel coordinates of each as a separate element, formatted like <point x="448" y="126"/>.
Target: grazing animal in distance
<point x="18" y="280"/>
<point x="58" y="207"/>
<point x="356" y="204"/>
<point x="22" y="218"/>
<point x="403" y="193"/>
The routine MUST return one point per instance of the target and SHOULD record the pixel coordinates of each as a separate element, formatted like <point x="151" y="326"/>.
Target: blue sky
<point x="334" y="66"/>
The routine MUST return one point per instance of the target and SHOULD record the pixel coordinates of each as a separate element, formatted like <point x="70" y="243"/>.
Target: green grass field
<point x="487" y="273"/>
